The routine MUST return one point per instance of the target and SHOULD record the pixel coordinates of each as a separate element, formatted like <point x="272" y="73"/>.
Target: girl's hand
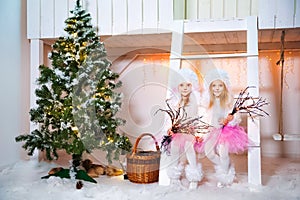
<point x="170" y="132"/>
<point x="227" y="119"/>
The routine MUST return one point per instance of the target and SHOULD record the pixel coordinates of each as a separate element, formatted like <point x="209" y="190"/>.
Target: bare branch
<point x="181" y="123"/>
<point x="247" y="104"/>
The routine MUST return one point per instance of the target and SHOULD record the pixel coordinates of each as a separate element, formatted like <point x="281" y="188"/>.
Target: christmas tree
<point x="76" y="101"/>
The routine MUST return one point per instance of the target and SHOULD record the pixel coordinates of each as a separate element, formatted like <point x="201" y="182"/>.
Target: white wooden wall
<point x="271" y="13"/>
<point x="111" y="17"/>
<point x="46" y="17"/>
<point x="279" y="14"/>
<point x="221" y="9"/>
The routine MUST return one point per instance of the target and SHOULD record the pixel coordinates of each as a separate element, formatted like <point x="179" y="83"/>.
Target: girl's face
<point x="185" y="89"/>
<point x="217" y="87"/>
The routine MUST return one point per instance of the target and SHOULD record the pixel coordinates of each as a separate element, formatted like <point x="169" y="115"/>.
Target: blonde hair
<point x="185" y="101"/>
<point x="225" y="97"/>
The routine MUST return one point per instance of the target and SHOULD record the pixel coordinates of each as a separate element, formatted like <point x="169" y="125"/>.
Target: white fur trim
<point x="194" y="173"/>
<point x="225" y="177"/>
<point x="175" y="172"/>
<point x="193" y="185"/>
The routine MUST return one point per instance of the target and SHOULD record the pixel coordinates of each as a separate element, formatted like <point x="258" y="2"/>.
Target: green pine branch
<point x="76" y="99"/>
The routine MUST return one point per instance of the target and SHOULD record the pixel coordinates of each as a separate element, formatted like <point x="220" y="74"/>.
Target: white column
<point x="175" y="55"/>
<point x="36" y="59"/>
<point x="254" y="153"/>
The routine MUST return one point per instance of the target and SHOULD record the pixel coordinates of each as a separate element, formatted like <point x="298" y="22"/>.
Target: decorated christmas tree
<point x="76" y="99"/>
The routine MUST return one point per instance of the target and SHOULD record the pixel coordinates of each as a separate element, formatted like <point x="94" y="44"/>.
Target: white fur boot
<point x="175" y="173"/>
<point x="194" y="175"/>
<point x="225" y="176"/>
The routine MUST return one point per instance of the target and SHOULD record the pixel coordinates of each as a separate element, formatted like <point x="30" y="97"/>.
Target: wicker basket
<point x="143" y="166"/>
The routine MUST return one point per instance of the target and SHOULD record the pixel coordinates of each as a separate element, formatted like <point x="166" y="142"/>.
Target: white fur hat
<point x="216" y="74"/>
<point x="184" y="75"/>
<point x="180" y="76"/>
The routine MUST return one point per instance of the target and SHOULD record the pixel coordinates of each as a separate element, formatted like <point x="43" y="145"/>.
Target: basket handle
<point x="140" y="137"/>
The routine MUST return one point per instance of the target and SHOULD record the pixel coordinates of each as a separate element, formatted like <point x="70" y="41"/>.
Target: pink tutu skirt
<point x="234" y="137"/>
<point x="199" y="145"/>
<point x="180" y="139"/>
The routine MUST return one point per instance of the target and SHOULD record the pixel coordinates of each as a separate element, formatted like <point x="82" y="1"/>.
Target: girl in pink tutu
<point x="181" y="156"/>
<point x="226" y="136"/>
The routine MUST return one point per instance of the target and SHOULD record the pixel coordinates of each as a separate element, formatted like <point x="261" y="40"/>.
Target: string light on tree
<point x="76" y="100"/>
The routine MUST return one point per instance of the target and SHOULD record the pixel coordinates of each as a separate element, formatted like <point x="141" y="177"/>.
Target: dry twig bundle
<point x="247" y="104"/>
<point x="180" y="123"/>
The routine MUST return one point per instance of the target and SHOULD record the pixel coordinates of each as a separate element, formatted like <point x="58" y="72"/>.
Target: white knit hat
<point x="180" y="76"/>
<point x="216" y="74"/>
<point x="184" y="75"/>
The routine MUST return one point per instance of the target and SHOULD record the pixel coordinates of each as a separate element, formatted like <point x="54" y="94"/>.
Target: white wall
<point x="14" y="79"/>
<point x="113" y="17"/>
<point x="270" y="88"/>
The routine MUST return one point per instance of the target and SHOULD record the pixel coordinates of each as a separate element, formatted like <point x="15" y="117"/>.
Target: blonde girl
<point x="182" y="156"/>
<point x="226" y="136"/>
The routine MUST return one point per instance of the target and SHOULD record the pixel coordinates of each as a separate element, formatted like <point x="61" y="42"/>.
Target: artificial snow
<point x="280" y="180"/>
